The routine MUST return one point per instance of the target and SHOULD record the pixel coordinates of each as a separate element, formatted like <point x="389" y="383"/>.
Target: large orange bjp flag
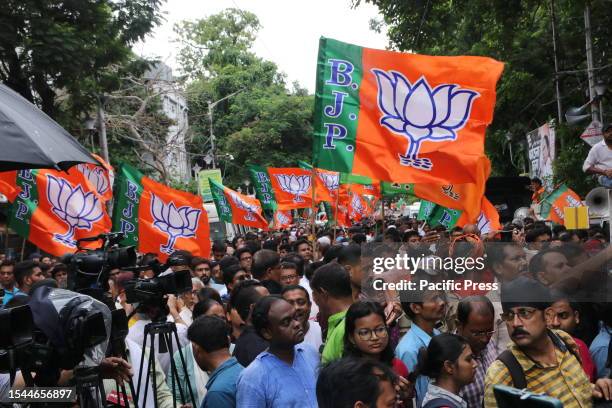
<point x="402" y="117"/>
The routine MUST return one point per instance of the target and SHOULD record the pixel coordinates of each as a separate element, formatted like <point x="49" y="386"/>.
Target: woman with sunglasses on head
<point x="367" y="335"/>
<point x="449" y="362"/>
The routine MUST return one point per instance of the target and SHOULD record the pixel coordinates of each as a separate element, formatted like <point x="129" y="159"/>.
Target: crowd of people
<point x="291" y="318"/>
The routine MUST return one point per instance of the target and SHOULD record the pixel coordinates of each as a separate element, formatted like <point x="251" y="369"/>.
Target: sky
<point x="289" y="35"/>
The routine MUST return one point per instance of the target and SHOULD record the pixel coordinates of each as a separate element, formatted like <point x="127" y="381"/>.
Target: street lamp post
<point x="211" y="107"/>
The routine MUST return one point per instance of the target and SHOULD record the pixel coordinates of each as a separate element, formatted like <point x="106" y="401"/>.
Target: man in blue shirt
<point x="7" y="280"/>
<point x="600" y="346"/>
<point x="210" y="340"/>
<point x="285" y="375"/>
<point x="425" y="309"/>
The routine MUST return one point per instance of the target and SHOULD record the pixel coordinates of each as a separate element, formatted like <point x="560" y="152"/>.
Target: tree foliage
<point x="51" y="47"/>
<point x="519" y="33"/>
<point x="264" y="123"/>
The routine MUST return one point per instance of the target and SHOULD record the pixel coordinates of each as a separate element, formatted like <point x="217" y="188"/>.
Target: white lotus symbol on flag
<point x="78" y="209"/>
<point x="331" y="180"/>
<point x="356" y="205"/>
<point x="243" y="205"/>
<point x="296" y="185"/>
<point x="419" y="113"/>
<point x="96" y="177"/>
<point x="181" y="222"/>
<point x="281" y="218"/>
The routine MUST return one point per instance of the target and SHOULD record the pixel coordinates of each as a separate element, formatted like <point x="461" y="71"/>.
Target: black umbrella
<point x="29" y="139"/>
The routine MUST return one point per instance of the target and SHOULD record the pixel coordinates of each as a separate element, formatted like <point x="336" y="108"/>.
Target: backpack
<point x="440" y="403"/>
<point x="516" y="371"/>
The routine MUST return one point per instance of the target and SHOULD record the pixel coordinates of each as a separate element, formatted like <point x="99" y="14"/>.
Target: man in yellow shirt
<point x="548" y="359"/>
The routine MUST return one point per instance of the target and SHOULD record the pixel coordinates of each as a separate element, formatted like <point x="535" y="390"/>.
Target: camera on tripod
<point x="88" y="269"/>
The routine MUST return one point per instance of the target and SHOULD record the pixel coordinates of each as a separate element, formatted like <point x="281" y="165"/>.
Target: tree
<point x="48" y="47"/>
<point x="517" y="32"/>
<point x="264" y="123"/>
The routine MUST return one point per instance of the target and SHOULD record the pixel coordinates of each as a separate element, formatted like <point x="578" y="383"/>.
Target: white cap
<point x="324" y="240"/>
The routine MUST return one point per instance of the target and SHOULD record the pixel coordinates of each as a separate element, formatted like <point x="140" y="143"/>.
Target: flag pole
<point x="382" y="212"/>
<point x="336" y="213"/>
<point x="314" y="213"/>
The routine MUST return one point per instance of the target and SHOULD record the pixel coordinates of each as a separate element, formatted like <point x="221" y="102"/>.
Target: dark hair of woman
<point x="443" y="347"/>
<point x="357" y="311"/>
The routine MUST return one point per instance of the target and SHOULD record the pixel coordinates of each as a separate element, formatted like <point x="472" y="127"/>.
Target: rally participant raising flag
<point x="157" y="218"/>
<point x="402" y="117"/>
<point x="236" y="208"/>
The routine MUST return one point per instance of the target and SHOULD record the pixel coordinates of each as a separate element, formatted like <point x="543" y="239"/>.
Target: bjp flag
<point x="8" y="187"/>
<point x="236" y="208"/>
<point x="487" y="220"/>
<point x="325" y="182"/>
<point x="292" y="187"/>
<point x="552" y="205"/>
<point x="372" y="189"/>
<point x="54" y="209"/>
<point x="282" y="219"/>
<point x="401" y="117"/>
<point x="157" y="218"/>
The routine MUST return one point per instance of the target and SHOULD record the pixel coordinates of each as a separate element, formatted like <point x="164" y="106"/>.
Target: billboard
<point x="541" y="148"/>
<point x="204" y="185"/>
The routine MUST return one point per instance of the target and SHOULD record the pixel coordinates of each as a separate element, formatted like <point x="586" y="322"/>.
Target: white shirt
<point x="313" y="335"/>
<point x="314" y="308"/>
<point x="600" y="156"/>
<point x="136" y="334"/>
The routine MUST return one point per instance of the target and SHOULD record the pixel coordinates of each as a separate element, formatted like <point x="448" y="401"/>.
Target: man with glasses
<point x="541" y="360"/>
<point x="475" y="322"/>
<point x="245" y="256"/>
<point x="289" y="275"/>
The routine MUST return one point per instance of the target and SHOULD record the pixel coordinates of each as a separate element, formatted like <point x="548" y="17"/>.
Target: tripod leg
<point x="174" y="373"/>
<point x="102" y="394"/>
<point x="183" y="363"/>
<point x="131" y="384"/>
<point x="154" y="383"/>
<point x="150" y="364"/>
<point x="142" y="355"/>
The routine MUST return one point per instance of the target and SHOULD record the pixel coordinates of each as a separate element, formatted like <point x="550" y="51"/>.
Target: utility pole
<point x="102" y="129"/>
<point x="554" y="38"/>
<point x="589" y="54"/>
<point x="211" y="106"/>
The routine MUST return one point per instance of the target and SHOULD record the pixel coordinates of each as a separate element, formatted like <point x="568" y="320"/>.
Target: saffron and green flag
<point x="157" y="218"/>
<point x="263" y="187"/>
<point x="402" y="117"/>
<point x="54" y="209"/>
<point x="551" y="207"/>
<point x="236" y="208"/>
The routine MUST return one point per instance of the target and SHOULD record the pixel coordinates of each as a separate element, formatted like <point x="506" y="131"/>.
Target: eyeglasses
<point x="246" y="258"/>
<point x="287" y="278"/>
<point x="366" y="334"/>
<point x="523" y="314"/>
<point x="482" y="333"/>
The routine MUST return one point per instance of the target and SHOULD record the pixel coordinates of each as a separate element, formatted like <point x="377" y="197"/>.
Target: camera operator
<point x="147" y="312"/>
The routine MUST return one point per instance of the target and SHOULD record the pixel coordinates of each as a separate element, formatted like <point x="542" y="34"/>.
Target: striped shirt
<point x="473" y="393"/>
<point x="565" y="380"/>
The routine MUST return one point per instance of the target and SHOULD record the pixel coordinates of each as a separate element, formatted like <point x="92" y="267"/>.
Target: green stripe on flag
<point x="263" y="187"/>
<point x="346" y="178"/>
<point x="547" y="203"/>
<point x="389" y="189"/>
<point x="445" y="217"/>
<point x="25" y="203"/>
<point x="224" y="209"/>
<point x="339" y="74"/>
<point x="426" y="210"/>
<point x="127" y="191"/>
